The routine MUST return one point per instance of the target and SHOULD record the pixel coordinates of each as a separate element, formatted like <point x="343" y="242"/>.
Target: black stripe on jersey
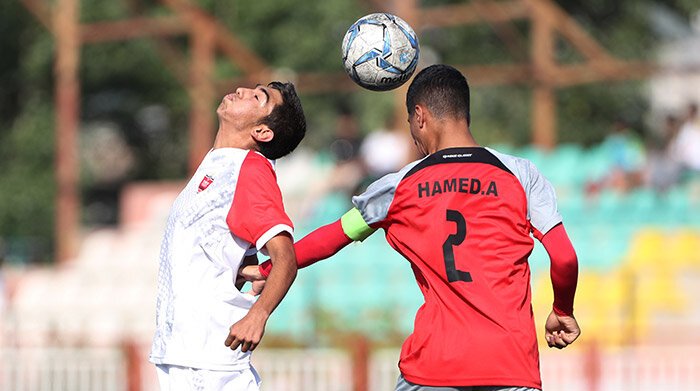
<point x="460" y="155"/>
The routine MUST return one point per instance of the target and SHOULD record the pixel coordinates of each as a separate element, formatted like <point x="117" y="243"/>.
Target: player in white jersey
<point x="230" y="209"/>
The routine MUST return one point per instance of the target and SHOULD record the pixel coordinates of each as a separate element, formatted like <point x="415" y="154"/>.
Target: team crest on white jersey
<point x="206" y="181"/>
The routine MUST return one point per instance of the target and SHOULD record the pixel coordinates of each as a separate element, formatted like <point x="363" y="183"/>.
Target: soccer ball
<point x="380" y="52"/>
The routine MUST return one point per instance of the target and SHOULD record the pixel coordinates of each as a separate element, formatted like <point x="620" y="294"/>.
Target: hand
<point x="251" y="273"/>
<point x="256" y="287"/>
<point x="249" y="261"/>
<point x="247" y="332"/>
<point x="560" y="330"/>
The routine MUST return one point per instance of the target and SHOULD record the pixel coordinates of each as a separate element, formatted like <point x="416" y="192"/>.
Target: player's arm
<point x="249" y="331"/>
<point x="561" y="328"/>
<point x="257" y="216"/>
<point x="320" y="244"/>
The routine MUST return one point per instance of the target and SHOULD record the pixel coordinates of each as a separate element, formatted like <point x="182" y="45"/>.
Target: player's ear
<point x="419" y="114"/>
<point x="262" y="133"/>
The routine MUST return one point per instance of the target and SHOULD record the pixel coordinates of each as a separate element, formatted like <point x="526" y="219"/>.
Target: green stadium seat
<point x="562" y="165"/>
<point x="594" y="164"/>
<point x="532" y="153"/>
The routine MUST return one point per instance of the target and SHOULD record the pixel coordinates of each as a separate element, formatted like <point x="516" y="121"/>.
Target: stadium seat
<point x="682" y="248"/>
<point x="532" y="153"/>
<point x="646" y="247"/>
<point x="561" y="167"/>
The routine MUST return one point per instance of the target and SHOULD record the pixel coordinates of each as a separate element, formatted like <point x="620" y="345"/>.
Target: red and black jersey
<point x="463" y="218"/>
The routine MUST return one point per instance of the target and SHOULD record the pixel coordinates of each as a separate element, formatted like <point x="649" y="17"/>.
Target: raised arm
<point x="320" y="244"/>
<point x="561" y="328"/>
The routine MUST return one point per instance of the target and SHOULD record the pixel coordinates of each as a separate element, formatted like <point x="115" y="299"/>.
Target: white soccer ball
<point x="380" y="51"/>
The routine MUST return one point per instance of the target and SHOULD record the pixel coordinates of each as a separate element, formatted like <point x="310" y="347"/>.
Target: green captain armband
<point x="355" y="226"/>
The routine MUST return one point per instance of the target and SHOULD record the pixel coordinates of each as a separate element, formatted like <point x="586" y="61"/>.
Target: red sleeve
<point x="564" y="269"/>
<point x="257" y="213"/>
<point x="319" y="244"/>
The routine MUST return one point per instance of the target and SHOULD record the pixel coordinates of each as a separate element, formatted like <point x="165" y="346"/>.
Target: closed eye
<point x="264" y="91"/>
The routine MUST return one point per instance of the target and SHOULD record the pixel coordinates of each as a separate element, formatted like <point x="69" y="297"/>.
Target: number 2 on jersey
<point x="453" y="274"/>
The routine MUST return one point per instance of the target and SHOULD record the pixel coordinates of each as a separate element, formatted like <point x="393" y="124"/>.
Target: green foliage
<point x="9" y="61"/>
<point x="466" y="45"/>
<point x="585" y="113"/>
<point x="499" y="115"/>
<point x="290" y="35"/>
<point x="118" y="91"/>
<point x="595" y="107"/>
<point x="102" y="10"/>
<point x="26" y="179"/>
<point x="26" y="136"/>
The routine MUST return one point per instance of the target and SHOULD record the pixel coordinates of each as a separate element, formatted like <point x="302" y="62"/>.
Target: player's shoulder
<point x="258" y="158"/>
<point x="386" y="185"/>
<point x="517" y="165"/>
<point x="375" y="201"/>
<point x="393" y="179"/>
<point x="257" y="161"/>
<point x="508" y="158"/>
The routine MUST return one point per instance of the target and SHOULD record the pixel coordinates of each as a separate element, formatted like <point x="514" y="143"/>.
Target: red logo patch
<point x="206" y="181"/>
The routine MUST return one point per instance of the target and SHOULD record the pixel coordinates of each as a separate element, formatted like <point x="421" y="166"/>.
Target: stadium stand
<point x="620" y="238"/>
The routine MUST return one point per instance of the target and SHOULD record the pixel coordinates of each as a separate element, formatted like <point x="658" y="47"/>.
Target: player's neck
<point x="228" y="138"/>
<point x="454" y="138"/>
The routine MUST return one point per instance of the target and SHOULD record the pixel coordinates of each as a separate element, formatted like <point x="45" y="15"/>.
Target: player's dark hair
<point x="286" y="120"/>
<point x="443" y="90"/>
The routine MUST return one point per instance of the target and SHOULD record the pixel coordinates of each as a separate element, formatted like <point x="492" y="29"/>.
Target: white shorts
<point x="177" y="378"/>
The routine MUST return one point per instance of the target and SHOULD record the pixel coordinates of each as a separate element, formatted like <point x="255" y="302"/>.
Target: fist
<point x="561" y="330"/>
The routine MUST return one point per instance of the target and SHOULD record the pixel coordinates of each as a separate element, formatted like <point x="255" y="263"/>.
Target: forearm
<point x="281" y="276"/>
<point x="320" y="244"/>
<point x="563" y="270"/>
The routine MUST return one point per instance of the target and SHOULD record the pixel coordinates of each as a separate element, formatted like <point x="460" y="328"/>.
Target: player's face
<point x="246" y="107"/>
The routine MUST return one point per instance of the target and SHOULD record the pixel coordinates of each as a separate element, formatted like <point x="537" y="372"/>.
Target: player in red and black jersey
<point x="464" y="217"/>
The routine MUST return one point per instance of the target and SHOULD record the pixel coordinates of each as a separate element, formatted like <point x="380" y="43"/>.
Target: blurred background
<point x="107" y="106"/>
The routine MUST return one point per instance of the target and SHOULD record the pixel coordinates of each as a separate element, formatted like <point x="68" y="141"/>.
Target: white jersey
<point x="230" y="208"/>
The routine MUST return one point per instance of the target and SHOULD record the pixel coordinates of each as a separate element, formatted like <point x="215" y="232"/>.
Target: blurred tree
<point x="26" y="180"/>
<point x="26" y="137"/>
<point x="12" y="20"/>
<point x="585" y="113"/>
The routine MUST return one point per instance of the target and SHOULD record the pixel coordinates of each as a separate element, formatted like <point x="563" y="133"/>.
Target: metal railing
<point x="307" y="370"/>
<point x="584" y="368"/>
<point x="62" y="369"/>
